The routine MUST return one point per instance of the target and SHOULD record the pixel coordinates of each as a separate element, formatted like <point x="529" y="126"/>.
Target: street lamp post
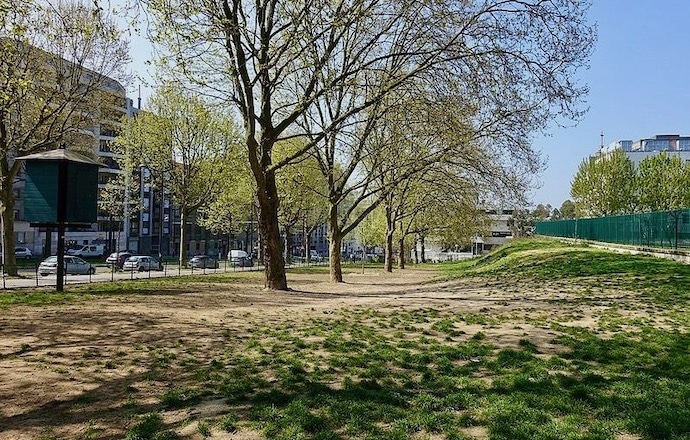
<point x="160" y="229"/>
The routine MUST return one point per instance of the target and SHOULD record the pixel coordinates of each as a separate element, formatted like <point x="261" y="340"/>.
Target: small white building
<point x="499" y="231"/>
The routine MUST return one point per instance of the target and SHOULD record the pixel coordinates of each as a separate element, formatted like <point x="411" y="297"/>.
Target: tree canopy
<point x="604" y="185"/>
<point x="58" y="71"/>
<point x="186" y="145"/>
<point x="610" y="184"/>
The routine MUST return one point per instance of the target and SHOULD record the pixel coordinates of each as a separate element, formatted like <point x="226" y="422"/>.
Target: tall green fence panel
<point x="665" y="229"/>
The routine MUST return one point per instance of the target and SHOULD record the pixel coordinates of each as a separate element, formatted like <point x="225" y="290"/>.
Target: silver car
<point x="142" y="263"/>
<point x="73" y="266"/>
<point x="21" y="252"/>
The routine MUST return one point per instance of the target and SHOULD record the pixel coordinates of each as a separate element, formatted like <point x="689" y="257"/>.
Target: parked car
<point x="89" y="250"/>
<point x="73" y="265"/>
<point x="117" y="259"/>
<point x="240" y="258"/>
<point x="203" y="262"/>
<point x="21" y="252"/>
<point x="142" y="263"/>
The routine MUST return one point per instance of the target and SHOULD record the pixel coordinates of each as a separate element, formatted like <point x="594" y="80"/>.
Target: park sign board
<point x="50" y="173"/>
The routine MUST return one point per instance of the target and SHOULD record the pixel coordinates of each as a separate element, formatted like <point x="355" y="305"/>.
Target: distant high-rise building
<point x="638" y="150"/>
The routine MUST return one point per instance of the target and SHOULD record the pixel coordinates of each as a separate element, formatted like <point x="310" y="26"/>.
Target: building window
<point x="104" y="146"/>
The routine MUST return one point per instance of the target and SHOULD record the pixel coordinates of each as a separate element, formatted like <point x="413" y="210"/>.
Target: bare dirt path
<point x="70" y="371"/>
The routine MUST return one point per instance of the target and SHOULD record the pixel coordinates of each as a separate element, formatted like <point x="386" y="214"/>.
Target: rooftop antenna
<point x="139" y="100"/>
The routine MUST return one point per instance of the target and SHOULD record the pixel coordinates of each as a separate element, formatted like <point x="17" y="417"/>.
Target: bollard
<point x="36" y="265"/>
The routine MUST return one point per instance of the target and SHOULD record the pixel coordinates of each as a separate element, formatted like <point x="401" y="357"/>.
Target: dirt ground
<point x="65" y="369"/>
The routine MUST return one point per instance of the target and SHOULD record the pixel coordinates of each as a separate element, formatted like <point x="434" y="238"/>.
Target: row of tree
<point x="380" y="92"/>
<point x="194" y="155"/>
<point x="610" y="184"/>
<point x="411" y="110"/>
<point x="523" y="221"/>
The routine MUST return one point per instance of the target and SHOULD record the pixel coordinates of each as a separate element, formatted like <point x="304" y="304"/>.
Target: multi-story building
<point x="637" y="151"/>
<point x="105" y="230"/>
<point x="154" y="229"/>
<point x="318" y="242"/>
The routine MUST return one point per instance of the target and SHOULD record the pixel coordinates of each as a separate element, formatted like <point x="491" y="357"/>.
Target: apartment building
<point x="104" y="231"/>
<point x="637" y="151"/>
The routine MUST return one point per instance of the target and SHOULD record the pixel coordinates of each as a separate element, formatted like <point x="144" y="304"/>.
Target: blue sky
<point x="639" y="81"/>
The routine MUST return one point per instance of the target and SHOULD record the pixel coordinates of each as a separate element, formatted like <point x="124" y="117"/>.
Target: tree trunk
<point x="388" y="263"/>
<point x="287" y="254"/>
<point x="416" y="255"/>
<point x="183" y="237"/>
<point x="8" y="232"/>
<point x="390" y="231"/>
<point x="401" y="252"/>
<point x="269" y="233"/>
<point x="421" y="241"/>
<point x="307" y="245"/>
<point x="335" y="241"/>
<point x="334" y="258"/>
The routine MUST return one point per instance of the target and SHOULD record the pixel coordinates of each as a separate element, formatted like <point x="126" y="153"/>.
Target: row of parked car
<point x="128" y="261"/>
<point x="77" y="266"/>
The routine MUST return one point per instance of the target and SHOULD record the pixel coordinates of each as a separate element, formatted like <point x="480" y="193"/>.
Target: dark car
<point x="242" y="262"/>
<point x="239" y="258"/>
<point x="203" y="262"/>
<point x="117" y="259"/>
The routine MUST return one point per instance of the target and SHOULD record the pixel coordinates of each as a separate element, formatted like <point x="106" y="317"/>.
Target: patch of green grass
<point x="204" y="429"/>
<point x="228" y="422"/>
<point x="598" y="387"/>
<point x="146" y="428"/>
<point x="180" y="398"/>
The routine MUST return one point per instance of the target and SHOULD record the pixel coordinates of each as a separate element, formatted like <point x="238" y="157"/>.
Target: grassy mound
<point x="552" y="260"/>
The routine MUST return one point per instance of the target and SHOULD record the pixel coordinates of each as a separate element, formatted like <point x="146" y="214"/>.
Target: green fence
<point x="666" y="229"/>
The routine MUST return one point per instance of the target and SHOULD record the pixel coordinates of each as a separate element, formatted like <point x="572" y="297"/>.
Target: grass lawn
<point x="539" y="340"/>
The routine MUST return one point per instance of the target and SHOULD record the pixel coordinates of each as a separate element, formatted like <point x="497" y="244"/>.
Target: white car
<point x="142" y="263"/>
<point x="90" y="250"/>
<point x="240" y="258"/>
<point x="73" y="266"/>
